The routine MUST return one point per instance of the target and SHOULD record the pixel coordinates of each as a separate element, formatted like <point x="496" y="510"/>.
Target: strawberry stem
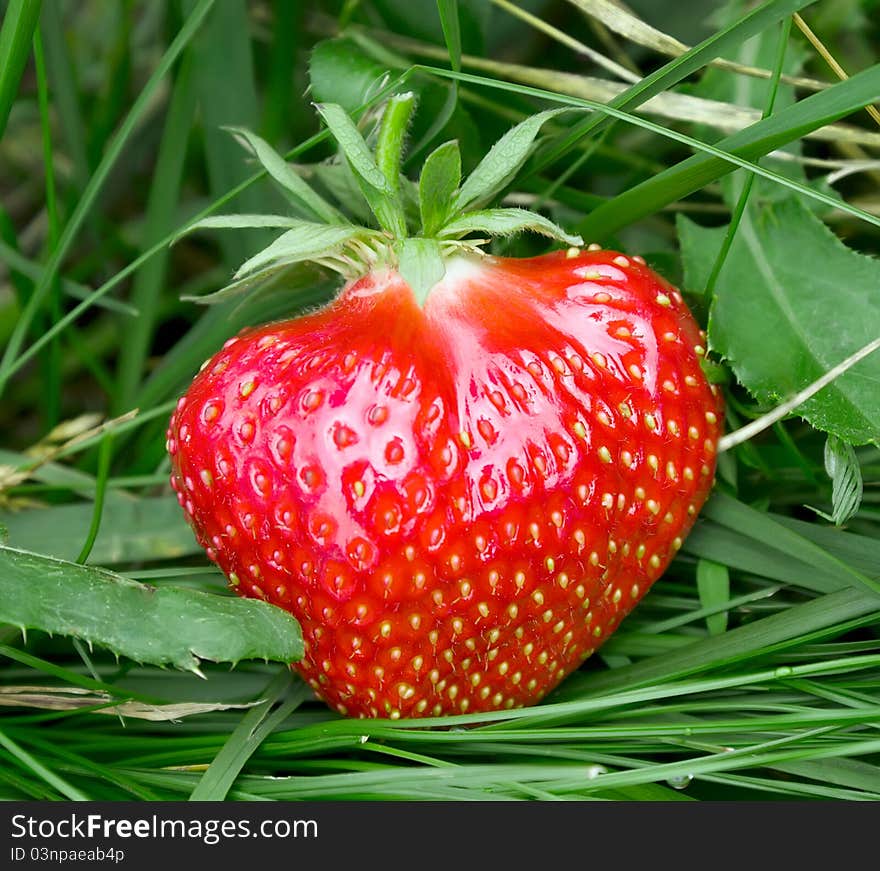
<point x="389" y="152"/>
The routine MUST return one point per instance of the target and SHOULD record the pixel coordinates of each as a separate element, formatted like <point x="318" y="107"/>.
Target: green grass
<point x="750" y="671"/>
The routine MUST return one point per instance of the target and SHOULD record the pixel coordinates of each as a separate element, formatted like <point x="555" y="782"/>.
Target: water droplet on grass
<point x="680" y="781"/>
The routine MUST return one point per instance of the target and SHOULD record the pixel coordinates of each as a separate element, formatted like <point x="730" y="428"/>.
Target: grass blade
<point x="761" y="138"/>
<point x="227" y="96"/>
<point x="96" y="182"/>
<point x="255" y="726"/>
<point x="713" y="584"/>
<point x="16" y="36"/>
<point x="146" y="293"/>
<point x="29" y="762"/>
<point x="670" y="74"/>
<point x="737" y="515"/>
<point x="62" y="80"/>
<point x="629" y="26"/>
<point x="776" y="632"/>
<point x="854" y="99"/>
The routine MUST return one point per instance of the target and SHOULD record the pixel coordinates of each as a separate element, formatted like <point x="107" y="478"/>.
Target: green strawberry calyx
<point x="415" y="228"/>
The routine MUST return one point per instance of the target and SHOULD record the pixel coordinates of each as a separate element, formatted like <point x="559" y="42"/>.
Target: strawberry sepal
<point x="449" y="210"/>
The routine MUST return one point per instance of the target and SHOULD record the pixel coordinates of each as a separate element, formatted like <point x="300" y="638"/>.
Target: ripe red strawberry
<point x="459" y="492"/>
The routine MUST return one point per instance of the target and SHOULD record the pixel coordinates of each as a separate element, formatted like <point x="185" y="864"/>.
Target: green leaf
<point x="699" y="248"/>
<point x="713" y="585"/>
<point x="353" y="146"/>
<point x="337" y="178"/>
<point x="341" y="73"/>
<point x="235" y="222"/>
<point x="843" y="468"/>
<point x="506" y="222"/>
<point x="242" y="285"/>
<point x="286" y="176"/>
<point x="503" y="161"/>
<point x="374" y="185"/>
<point x="164" y="626"/>
<point x="392" y="133"/>
<point x="441" y="176"/>
<point x="420" y="263"/>
<point x="306" y="241"/>
<point x="791" y="302"/>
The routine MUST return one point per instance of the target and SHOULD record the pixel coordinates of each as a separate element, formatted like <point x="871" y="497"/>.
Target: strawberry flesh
<point x="458" y="501"/>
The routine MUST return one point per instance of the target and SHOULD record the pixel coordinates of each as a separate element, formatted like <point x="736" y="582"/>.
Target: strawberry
<point x="459" y="479"/>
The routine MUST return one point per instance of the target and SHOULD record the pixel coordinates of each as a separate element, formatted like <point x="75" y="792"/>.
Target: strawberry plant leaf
<point x="353" y="146"/>
<point x="159" y="626"/>
<point x="341" y="73"/>
<point x="506" y="222"/>
<point x="503" y="161"/>
<point x="791" y="302"/>
<point x="699" y="248"/>
<point x="374" y="185"/>
<point x="441" y="176"/>
<point x="304" y="242"/>
<point x="263" y="277"/>
<point x="339" y="181"/>
<point x="235" y="222"/>
<point x="312" y="203"/>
